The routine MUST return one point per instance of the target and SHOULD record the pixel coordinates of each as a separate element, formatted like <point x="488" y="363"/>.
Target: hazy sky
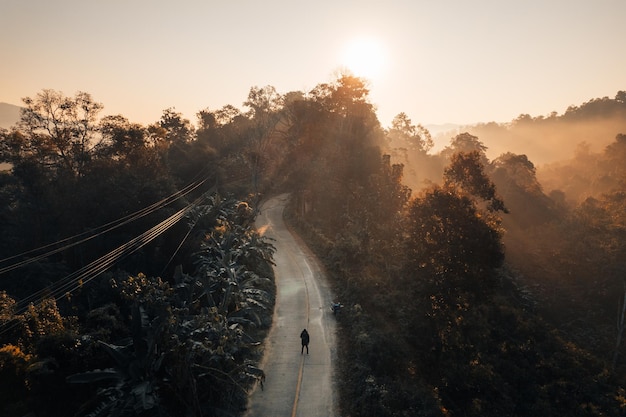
<point x="457" y="61"/>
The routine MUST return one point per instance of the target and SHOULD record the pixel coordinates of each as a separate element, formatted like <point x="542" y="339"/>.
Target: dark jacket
<point x="305" y="337"/>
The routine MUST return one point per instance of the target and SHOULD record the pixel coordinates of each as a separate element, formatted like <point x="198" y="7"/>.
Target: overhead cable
<point x="99" y="230"/>
<point x="87" y="273"/>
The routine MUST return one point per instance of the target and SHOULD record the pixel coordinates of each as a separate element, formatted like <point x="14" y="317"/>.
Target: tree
<point x="122" y="140"/>
<point x="221" y="129"/>
<point x="265" y="113"/>
<point x="466" y="174"/>
<point x="183" y="155"/>
<point x="465" y="142"/>
<point x="518" y="170"/>
<point x="417" y="137"/>
<point x="263" y="101"/>
<point x="515" y="177"/>
<point x="178" y="129"/>
<point x="615" y="159"/>
<point x="190" y="343"/>
<point x="56" y="131"/>
<point x="452" y="247"/>
<point x="51" y="149"/>
<point x="450" y="241"/>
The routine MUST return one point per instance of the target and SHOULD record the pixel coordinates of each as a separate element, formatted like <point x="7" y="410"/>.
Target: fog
<point x="548" y="141"/>
<point x="565" y="149"/>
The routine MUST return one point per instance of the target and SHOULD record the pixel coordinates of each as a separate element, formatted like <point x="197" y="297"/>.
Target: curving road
<point x="295" y="385"/>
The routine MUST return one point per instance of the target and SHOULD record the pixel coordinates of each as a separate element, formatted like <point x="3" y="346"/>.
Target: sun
<point x="365" y="57"/>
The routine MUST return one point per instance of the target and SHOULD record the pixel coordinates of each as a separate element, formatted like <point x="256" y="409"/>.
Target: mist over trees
<point x="553" y="137"/>
<point x="478" y="280"/>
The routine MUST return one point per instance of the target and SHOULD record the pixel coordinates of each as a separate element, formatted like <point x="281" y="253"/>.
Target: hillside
<point x="552" y="138"/>
<point x="9" y="115"/>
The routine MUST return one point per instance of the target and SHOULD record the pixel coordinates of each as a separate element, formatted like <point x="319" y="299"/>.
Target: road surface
<point x="296" y="385"/>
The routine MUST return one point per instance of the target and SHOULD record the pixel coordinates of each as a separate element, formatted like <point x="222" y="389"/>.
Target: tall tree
<point x="465" y="142"/>
<point x="122" y="140"/>
<point x="265" y="114"/>
<point x="450" y="242"/>
<point x="515" y="177"/>
<point x="466" y="174"/>
<point x="221" y="129"/>
<point x="56" y="132"/>
<point x="263" y="101"/>
<point x="416" y="137"/>
<point x="178" y="129"/>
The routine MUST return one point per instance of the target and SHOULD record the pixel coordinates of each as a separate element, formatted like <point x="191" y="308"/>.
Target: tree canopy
<point x="132" y="281"/>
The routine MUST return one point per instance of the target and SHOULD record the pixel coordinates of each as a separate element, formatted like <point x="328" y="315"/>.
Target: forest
<point x="133" y="282"/>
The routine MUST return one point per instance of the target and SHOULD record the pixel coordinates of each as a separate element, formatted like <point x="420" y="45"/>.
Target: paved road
<point x="296" y="385"/>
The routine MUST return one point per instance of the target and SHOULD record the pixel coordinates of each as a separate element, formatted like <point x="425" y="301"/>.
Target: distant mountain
<point x="9" y="115"/>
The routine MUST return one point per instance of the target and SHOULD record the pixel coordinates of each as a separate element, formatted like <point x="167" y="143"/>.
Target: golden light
<point x="365" y="57"/>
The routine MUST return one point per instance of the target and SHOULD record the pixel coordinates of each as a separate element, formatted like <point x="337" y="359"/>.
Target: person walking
<point x="305" y="341"/>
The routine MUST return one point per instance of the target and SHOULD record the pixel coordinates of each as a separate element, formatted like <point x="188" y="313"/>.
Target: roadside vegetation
<point x="133" y="282"/>
<point x="476" y="293"/>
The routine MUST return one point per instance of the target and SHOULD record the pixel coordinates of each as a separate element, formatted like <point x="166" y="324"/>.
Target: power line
<point x="99" y="231"/>
<point x="89" y="272"/>
<point x="84" y="275"/>
<point x="180" y="245"/>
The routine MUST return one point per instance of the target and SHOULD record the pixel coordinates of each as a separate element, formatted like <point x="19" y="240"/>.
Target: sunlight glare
<point x="364" y="57"/>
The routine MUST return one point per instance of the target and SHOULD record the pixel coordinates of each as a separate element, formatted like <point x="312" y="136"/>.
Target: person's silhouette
<point x="305" y="341"/>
